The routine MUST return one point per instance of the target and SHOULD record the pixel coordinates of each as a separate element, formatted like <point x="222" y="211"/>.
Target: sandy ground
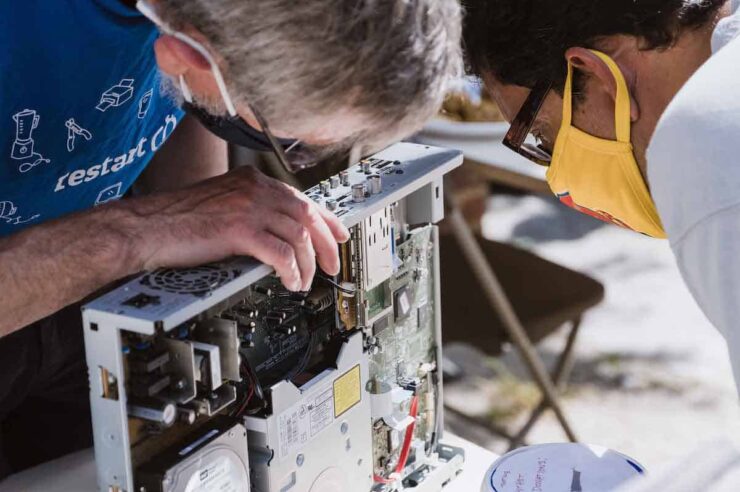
<point x="652" y="377"/>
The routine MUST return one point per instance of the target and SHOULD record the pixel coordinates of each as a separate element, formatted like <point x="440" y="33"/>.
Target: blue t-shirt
<point x="81" y="108"/>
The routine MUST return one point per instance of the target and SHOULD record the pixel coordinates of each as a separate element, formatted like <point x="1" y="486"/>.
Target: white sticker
<point x="322" y="411"/>
<point x="304" y="421"/>
<point x="218" y="475"/>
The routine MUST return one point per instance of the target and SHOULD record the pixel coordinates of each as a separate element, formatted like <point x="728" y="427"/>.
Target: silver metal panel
<point x="178" y="295"/>
<point x="339" y="449"/>
<point x="426" y="205"/>
<point x="109" y="417"/>
<point x="223" y="333"/>
<point x="419" y="166"/>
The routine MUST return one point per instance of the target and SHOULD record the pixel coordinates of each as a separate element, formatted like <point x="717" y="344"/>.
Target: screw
<point x="300" y="459"/>
<point x="344" y="428"/>
<point x="348" y="445"/>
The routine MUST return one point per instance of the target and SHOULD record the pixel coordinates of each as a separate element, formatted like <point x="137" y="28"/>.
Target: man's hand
<point x="240" y="213"/>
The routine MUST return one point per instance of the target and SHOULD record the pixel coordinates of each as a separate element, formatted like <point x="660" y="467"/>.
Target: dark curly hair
<point x="524" y="41"/>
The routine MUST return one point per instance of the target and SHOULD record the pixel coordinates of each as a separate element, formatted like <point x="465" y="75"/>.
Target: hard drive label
<point x="304" y="421"/>
<point x="219" y="475"/>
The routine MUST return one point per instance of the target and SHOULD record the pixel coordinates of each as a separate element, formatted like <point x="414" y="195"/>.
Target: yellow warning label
<point x="347" y="391"/>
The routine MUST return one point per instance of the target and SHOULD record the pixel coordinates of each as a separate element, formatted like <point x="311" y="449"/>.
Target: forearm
<point x="47" y="267"/>
<point x="191" y="155"/>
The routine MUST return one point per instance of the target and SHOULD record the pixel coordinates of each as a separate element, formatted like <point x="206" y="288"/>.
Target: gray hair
<point x="389" y="60"/>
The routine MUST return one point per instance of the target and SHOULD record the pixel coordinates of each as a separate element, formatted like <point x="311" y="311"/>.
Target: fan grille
<point x="197" y="281"/>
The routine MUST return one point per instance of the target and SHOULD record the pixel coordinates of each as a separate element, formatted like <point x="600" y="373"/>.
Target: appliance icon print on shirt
<point x="73" y="131"/>
<point x="144" y="102"/>
<point x="26" y="122"/>
<point x="117" y="95"/>
<point x="8" y="213"/>
<point x="109" y="194"/>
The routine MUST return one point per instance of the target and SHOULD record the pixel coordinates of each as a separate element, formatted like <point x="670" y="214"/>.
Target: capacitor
<point x="325" y="187"/>
<point x="281" y="314"/>
<point x="334" y="182"/>
<point x="287" y="329"/>
<point x="263" y="290"/>
<point x="158" y="411"/>
<point x="344" y="177"/>
<point x="332" y="205"/>
<point x="365" y="165"/>
<point x="186" y="415"/>
<point x="358" y="192"/>
<point x="375" y="185"/>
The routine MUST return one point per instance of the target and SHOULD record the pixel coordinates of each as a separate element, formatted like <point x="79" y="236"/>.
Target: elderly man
<point x="81" y="94"/>
<point x="634" y="107"/>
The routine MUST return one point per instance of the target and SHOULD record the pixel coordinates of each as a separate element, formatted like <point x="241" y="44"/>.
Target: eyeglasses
<point x="293" y="157"/>
<point x="516" y="137"/>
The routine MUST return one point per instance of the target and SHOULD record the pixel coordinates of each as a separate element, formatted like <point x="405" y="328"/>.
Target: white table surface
<point x="76" y="472"/>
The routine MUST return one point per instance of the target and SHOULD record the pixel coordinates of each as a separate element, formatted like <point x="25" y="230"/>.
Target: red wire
<point x="249" y="395"/>
<point x="406" y="449"/>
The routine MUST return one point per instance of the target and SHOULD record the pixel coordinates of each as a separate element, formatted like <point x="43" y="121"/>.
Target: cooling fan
<point x="197" y="281"/>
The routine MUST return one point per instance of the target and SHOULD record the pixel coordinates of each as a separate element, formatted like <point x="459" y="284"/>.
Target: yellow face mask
<point x="601" y="177"/>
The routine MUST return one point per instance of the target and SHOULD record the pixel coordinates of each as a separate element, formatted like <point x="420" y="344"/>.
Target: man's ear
<point x="591" y="65"/>
<point x="176" y="57"/>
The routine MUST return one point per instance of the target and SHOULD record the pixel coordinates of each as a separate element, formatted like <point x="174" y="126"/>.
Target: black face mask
<point x="235" y="130"/>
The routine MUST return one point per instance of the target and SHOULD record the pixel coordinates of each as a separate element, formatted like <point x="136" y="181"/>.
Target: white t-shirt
<point x="694" y="175"/>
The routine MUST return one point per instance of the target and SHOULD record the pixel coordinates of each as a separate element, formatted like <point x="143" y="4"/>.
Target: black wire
<point x="437" y="414"/>
<point x="303" y="364"/>
<point x="335" y="284"/>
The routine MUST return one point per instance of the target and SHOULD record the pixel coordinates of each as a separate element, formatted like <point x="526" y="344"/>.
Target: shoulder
<point x="694" y="155"/>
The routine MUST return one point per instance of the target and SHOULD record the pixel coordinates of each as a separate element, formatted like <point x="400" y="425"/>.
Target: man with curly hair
<point x="633" y="106"/>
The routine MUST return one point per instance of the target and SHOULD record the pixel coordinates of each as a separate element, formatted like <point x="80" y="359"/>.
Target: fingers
<point x="337" y="229"/>
<point x="324" y="242"/>
<point x="278" y="253"/>
<point x="324" y="229"/>
<point x="299" y="238"/>
<point x="340" y="232"/>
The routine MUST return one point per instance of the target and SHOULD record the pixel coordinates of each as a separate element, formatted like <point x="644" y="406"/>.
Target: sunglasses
<point x="516" y="137"/>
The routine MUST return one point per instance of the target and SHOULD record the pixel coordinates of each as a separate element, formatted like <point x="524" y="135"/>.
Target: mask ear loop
<point x="152" y="15"/>
<point x="568" y="98"/>
<point x="622" y="119"/>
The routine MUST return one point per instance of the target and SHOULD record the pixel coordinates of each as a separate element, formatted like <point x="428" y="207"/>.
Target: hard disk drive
<point x="214" y="458"/>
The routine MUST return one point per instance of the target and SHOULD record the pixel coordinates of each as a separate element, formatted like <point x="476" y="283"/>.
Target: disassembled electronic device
<point x="216" y="378"/>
